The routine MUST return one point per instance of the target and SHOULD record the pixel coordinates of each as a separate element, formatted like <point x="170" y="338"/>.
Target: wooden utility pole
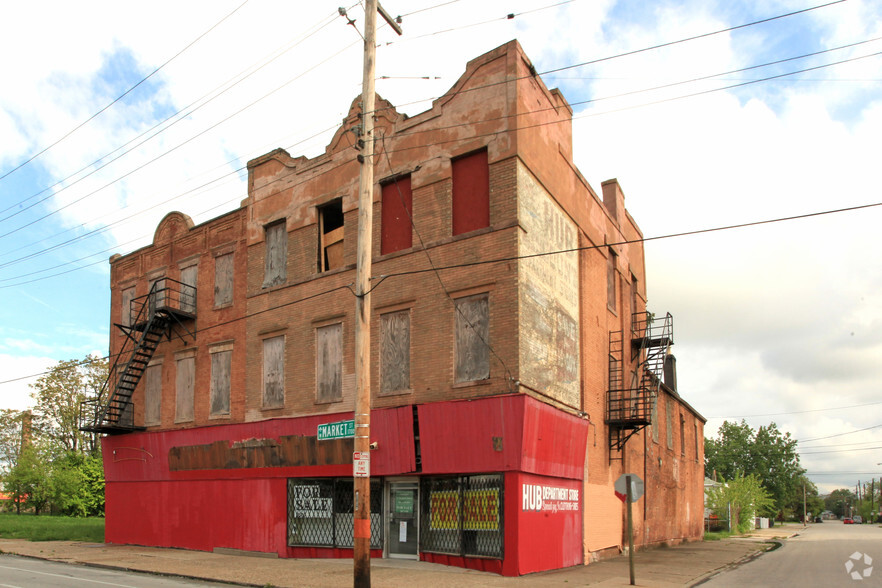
<point x="361" y="459"/>
<point x="362" y="483"/>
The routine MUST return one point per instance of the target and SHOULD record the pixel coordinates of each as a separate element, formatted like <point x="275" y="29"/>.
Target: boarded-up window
<point x="634" y="294"/>
<point x="276" y="258"/>
<point x="157" y="294"/>
<point x="219" y="400"/>
<point x="274" y="372"/>
<point x="669" y="422"/>
<point x="185" y="379"/>
<point x="682" y="436"/>
<point x="331" y="228"/>
<point x="472" y="339"/>
<point x="329" y="363"/>
<point x="654" y="418"/>
<point x="189" y="275"/>
<point x="153" y="395"/>
<point x="126" y="318"/>
<point x="395" y="352"/>
<point x="397" y="231"/>
<point x="471" y="192"/>
<point x="223" y="280"/>
<point x="611" y="280"/>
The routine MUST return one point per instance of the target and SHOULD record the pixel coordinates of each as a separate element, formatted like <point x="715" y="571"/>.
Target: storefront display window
<point x="320" y="512"/>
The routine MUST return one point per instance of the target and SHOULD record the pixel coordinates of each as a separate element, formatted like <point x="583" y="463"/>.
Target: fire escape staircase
<point x="166" y="310"/>
<point x="630" y="405"/>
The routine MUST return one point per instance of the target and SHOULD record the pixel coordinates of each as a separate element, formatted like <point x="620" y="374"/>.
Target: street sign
<point x="621" y="487"/>
<point x="339" y="430"/>
<point x="361" y="464"/>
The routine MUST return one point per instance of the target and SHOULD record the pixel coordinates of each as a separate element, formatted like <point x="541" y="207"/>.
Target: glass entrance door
<point x="401" y="538"/>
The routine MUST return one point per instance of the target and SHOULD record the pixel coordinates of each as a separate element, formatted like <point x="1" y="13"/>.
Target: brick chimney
<point x="614" y="200"/>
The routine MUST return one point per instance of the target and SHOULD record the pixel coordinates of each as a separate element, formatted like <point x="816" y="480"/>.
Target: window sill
<point x="472" y="383"/>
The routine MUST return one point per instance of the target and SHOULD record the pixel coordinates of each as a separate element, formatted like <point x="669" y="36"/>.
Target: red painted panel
<point x="549" y="522"/>
<point x="554" y="441"/>
<point x="471" y="192"/>
<point x="239" y="514"/>
<point x="503" y="433"/>
<point x="396" y="231"/>
<point x="459" y="437"/>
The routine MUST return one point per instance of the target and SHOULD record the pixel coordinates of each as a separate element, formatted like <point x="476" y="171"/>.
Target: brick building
<point x="516" y="373"/>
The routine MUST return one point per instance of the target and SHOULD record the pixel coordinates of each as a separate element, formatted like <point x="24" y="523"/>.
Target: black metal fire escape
<point x="630" y="406"/>
<point x="166" y="310"/>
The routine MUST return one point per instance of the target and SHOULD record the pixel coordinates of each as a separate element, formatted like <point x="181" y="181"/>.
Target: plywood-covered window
<point x="395" y="352"/>
<point x="669" y="421"/>
<point x="472" y="338"/>
<point x="219" y="395"/>
<point x="223" y="280"/>
<point x="153" y="395"/>
<point x="189" y="277"/>
<point x="331" y="228"/>
<point x="329" y="363"/>
<point x="654" y="419"/>
<point x="634" y="308"/>
<point x="157" y="293"/>
<point x="185" y="379"/>
<point x="274" y="372"/>
<point x="471" y="192"/>
<point x="682" y="436"/>
<point x="396" y="233"/>
<point x="126" y="318"/>
<point x="276" y="257"/>
<point x="611" y="274"/>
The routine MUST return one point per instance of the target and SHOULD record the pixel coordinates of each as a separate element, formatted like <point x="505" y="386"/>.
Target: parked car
<point x="857" y="519"/>
<point x="847" y="521"/>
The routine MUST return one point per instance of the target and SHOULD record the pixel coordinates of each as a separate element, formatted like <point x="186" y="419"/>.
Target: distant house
<point x="516" y="370"/>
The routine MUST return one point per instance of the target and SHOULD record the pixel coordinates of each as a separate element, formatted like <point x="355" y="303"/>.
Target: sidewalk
<point x="684" y="565"/>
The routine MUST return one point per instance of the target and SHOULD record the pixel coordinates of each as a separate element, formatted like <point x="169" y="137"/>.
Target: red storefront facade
<point x="230" y="486"/>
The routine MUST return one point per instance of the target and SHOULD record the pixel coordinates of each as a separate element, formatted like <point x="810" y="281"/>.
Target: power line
<point x="470" y="89"/>
<point x="179" y="116"/>
<point x="121" y="96"/>
<point x="842" y="434"/>
<point x="178" y="146"/>
<point x="742" y="416"/>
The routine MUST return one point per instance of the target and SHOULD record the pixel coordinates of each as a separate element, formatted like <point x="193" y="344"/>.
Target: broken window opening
<point x="331" y="235"/>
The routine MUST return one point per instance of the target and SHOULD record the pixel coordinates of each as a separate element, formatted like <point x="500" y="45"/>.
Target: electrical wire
<point x="472" y="123"/>
<point x="121" y="96"/>
<point x="552" y="122"/>
<point x="178" y="116"/>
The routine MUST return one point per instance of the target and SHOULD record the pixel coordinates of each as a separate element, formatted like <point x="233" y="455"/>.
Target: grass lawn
<point x="49" y="528"/>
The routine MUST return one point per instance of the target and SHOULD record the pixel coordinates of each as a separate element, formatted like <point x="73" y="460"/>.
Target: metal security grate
<point x="320" y="512"/>
<point x="463" y="516"/>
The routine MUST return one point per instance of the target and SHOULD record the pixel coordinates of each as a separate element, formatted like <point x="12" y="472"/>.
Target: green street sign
<point x="340" y="430"/>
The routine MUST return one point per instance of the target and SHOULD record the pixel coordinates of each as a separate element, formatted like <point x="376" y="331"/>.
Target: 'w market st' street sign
<point x="340" y="430"/>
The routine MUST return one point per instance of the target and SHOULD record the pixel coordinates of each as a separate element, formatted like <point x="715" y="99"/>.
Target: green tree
<point x="58" y="395"/>
<point x="28" y="482"/>
<point x="766" y="453"/>
<point x="742" y="498"/>
<point x="839" y="501"/>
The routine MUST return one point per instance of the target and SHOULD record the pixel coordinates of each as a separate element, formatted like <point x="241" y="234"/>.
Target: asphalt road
<point x="818" y="556"/>
<point x="22" y="572"/>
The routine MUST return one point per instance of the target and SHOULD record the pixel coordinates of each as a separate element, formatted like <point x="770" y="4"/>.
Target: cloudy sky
<point x="777" y="322"/>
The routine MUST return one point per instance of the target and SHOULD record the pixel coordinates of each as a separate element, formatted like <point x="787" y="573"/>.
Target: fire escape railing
<point x="630" y="406"/>
<point x="169" y="304"/>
